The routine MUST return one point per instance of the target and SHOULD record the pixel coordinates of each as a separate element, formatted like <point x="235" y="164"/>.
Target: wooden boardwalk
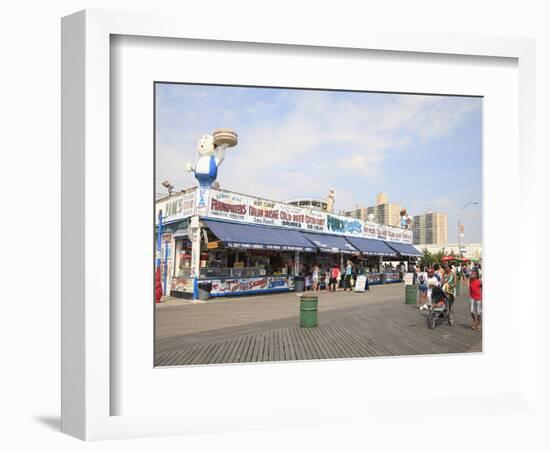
<point x="367" y="329"/>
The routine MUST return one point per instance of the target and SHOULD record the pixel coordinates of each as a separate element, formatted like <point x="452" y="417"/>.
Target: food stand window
<point x="183" y="257"/>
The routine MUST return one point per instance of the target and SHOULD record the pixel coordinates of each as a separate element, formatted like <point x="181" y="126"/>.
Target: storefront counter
<point x="255" y="285"/>
<point x="392" y="277"/>
<point x="383" y="278"/>
<point x="223" y="286"/>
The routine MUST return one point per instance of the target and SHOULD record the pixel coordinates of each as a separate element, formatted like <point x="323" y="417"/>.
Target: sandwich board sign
<point x="360" y="283"/>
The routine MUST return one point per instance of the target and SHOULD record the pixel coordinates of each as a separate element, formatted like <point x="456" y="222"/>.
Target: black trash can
<point x="383" y="278"/>
<point x="299" y="284"/>
<point x="204" y="290"/>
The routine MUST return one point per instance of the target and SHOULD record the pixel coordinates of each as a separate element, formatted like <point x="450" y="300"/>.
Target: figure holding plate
<point x="211" y="150"/>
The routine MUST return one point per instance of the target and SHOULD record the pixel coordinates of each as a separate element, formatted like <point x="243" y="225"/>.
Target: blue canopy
<point x="258" y="236"/>
<point x="369" y="246"/>
<point x="404" y="249"/>
<point x="330" y="243"/>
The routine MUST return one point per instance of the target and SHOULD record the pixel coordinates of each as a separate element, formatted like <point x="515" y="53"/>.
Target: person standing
<point x="347" y="277"/>
<point x="334" y="277"/>
<point x="327" y="279"/>
<point x="401" y="270"/>
<point x="449" y="284"/>
<point x="475" y="300"/>
<point x="315" y="278"/>
<point x="422" y="280"/>
<point x="439" y="272"/>
<point x="432" y="282"/>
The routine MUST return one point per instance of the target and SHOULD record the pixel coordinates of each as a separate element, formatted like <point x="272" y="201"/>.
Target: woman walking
<point x="347" y="278"/>
<point x="315" y="278"/>
<point x="334" y="277"/>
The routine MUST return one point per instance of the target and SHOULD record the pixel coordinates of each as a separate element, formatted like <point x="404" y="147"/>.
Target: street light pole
<point x="475" y="202"/>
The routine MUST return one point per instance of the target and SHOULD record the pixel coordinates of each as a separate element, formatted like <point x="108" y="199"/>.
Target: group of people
<point x="331" y="277"/>
<point x="437" y="282"/>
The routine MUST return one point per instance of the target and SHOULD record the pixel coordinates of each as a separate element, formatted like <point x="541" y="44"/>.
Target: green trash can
<point x="410" y="294"/>
<point x="308" y="311"/>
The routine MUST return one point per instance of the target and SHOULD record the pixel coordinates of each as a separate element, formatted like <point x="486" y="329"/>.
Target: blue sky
<point x="424" y="152"/>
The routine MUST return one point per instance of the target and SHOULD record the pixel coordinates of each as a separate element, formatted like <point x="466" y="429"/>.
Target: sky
<point x="423" y="151"/>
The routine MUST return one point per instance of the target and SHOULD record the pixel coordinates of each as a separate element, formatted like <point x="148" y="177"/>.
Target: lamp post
<point x="475" y="202"/>
<point x="168" y="186"/>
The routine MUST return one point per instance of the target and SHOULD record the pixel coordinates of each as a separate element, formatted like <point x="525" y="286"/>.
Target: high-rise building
<point x="381" y="198"/>
<point x="386" y="214"/>
<point x="430" y="228"/>
<point x="360" y="212"/>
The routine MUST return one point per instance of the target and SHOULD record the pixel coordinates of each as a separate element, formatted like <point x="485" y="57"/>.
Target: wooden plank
<point x="270" y="355"/>
<point x="331" y="350"/>
<point x="258" y="347"/>
<point x="198" y="358"/>
<point x="207" y="357"/>
<point x="297" y="346"/>
<point x="250" y="351"/>
<point x="246" y="344"/>
<point x="240" y="349"/>
<point x="276" y="356"/>
<point x="222" y="348"/>
<point x="290" y="351"/>
<point x="280" y="340"/>
<point x="227" y="358"/>
<point x="311" y="336"/>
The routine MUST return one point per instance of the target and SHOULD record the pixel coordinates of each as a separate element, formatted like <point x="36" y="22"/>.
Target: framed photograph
<point x="267" y="229"/>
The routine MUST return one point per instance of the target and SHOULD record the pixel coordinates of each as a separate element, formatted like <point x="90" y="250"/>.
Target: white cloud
<point x="301" y="152"/>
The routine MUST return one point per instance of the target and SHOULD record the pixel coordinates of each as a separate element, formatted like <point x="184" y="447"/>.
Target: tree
<point x="427" y="259"/>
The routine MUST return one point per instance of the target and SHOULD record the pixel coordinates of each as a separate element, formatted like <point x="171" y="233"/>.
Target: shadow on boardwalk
<point x="361" y="325"/>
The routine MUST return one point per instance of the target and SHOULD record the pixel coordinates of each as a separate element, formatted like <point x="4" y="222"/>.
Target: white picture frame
<point x="87" y="322"/>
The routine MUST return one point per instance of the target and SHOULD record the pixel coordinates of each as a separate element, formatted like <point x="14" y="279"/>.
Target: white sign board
<point x="228" y="205"/>
<point x="176" y="207"/>
<point x="360" y="283"/>
<point x="243" y="208"/>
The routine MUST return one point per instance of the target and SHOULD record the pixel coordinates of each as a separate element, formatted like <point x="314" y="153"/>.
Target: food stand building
<point x="240" y="244"/>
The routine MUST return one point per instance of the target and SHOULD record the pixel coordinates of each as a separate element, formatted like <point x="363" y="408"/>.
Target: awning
<point x="333" y="244"/>
<point x="174" y="227"/>
<point x="369" y="246"/>
<point x="258" y="236"/>
<point x="404" y="249"/>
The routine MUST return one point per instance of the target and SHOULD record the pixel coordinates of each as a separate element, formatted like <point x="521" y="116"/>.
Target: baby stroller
<point x="439" y="309"/>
